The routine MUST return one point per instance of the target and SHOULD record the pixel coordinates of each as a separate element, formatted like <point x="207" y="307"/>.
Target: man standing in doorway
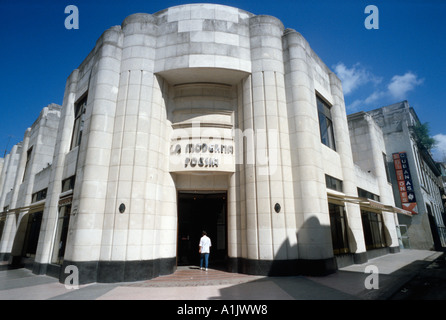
<point x="204" y="249"/>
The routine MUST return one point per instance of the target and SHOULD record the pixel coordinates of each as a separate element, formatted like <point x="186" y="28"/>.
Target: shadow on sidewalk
<point x="341" y="285"/>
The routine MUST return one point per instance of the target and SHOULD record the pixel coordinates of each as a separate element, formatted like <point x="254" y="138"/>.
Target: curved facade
<point x="207" y="110"/>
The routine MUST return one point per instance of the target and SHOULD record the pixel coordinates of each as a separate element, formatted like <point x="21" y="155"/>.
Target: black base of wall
<point x="275" y="268"/>
<point x="394" y="249"/>
<point x="118" y="271"/>
<point x="4" y="256"/>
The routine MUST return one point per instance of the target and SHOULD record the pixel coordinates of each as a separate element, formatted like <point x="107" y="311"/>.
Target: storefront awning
<point x="36" y="207"/>
<point x="368" y="203"/>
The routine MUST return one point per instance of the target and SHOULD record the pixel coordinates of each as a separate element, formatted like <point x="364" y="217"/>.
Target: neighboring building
<point x="23" y="186"/>
<point x="207" y="117"/>
<point x="442" y="167"/>
<point x="373" y="177"/>
<point x="414" y="175"/>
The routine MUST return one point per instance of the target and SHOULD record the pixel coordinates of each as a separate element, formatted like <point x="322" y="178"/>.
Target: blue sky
<point x="402" y="60"/>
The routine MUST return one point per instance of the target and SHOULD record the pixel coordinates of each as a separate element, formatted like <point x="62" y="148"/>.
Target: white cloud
<point x="353" y="77"/>
<point x="396" y="90"/>
<point x="358" y="104"/>
<point x="399" y="86"/>
<point x="375" y="96"/>
<point x="355" y="105"/>
<point x="439" y="152"/>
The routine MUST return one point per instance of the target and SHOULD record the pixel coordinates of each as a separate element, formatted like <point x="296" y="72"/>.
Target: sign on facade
<point x="405" y="184"/>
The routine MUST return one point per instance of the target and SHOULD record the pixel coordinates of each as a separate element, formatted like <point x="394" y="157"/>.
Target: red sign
<point x="404" y="181"/>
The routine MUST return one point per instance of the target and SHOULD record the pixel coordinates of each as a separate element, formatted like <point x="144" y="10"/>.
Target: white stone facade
<point x="372" y="166"/>
<point x="199" y="99"/>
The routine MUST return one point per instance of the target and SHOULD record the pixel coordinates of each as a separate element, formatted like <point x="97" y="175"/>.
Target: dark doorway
<point x="198" y="212"/>
<point x="32" y="234"/>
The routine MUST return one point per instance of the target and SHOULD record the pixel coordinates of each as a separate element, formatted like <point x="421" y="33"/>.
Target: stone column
<point x="36" y="163"/>
<point x="270" y="234"/>
<point x="136" y="171"/>
<point x="343" y="148"/>
<point x="385" y="189"/>
<point x="13" y="220"/>
<point x="313" y="222"/>
<point x="92" y="175"/>
<point x="3" y="177"/>
<point x="20" y="170"/>
<point x="51" y="210"/>
<point x="10" y="222"/>
<point x="161" y="195"/>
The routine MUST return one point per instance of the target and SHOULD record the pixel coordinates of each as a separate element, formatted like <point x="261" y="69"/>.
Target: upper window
<point x="366" y="194"/>
<point x="28" y="159"/>
<point x="325" y="123"/>
<point x="386" y="168"/>
<point x="333" y="183"/>
<point x="40" y="195"/>
<point x="68" y="184"/>
<point x="78" y="127"/>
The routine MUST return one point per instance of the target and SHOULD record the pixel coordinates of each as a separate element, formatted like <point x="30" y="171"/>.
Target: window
<point x="373" y="227"/>
<point x="40" y="195"/>
<point x="78" y="127"/>
<point x="386" y="168"/>
<point x="338" y="224"/>
<point x="68" y="184"/>
<point x="368" y="195"/>
<point x="325" y="124"/>
<point x="32" y="234"/>
<point x="28" y="158"/>
<point x="60" y="240"/>
<point x="333" y="183"/>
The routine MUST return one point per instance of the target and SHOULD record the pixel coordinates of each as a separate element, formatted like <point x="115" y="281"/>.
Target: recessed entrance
<point x="198" y="212"/>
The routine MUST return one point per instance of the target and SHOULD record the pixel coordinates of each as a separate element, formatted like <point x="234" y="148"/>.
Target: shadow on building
<point x="287" y="267"/>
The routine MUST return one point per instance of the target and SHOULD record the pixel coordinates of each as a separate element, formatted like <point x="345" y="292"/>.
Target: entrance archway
<point x="26" y="239"/>
<point x="198" y="212"/>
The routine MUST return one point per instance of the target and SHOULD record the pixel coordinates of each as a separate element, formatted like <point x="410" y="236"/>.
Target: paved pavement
<point x="384" y="276"/>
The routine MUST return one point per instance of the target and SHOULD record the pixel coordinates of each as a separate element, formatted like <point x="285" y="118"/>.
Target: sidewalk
<point x="395" y="270"/>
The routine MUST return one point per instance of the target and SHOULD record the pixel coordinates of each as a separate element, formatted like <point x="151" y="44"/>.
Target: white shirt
<point x="205" y="244"/>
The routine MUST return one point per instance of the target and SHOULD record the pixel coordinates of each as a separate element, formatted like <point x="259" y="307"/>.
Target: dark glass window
<point x="338" y="224"/>
<point x="78" y="127"/>
<point x="386" y="167"/>
<point x="28" y="159"/>
<point x="333" y="183"/>
<point x="60" y="240"/>
<point x="39" y="195"/>
<point x="373" y="227"/>
<point x="366" y="194"/>
<point x="32" y="234"/>
<point x="68" y="184"/>
<point x="325" y="124"/>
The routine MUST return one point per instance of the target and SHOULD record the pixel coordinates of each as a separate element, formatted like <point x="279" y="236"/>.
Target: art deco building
<point x="204" y="117"/>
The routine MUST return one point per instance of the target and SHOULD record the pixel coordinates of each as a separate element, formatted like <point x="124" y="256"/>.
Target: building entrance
<point x="198" y="212"/>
